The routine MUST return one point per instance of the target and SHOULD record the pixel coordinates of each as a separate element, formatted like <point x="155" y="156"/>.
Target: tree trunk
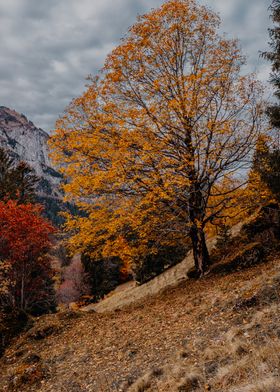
<point x="197" y="213"/>
<point x="196" y="207"/>
<point x="200" y="251"/>
<point x="22" y="288"/>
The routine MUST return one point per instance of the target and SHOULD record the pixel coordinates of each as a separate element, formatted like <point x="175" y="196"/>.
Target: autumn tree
<point x="73" y="283"/>
<point x="147" y="148"/>
<point x="25" y="270"/>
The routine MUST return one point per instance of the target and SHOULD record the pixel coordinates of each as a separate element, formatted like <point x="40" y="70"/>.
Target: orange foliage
<point x="147" y="148"/>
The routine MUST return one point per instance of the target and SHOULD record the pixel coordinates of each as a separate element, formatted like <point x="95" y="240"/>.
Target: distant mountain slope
<point x="26" y="142"/>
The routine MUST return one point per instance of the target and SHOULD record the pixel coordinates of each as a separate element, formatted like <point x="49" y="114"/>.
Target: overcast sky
<point x="49" y="47"/>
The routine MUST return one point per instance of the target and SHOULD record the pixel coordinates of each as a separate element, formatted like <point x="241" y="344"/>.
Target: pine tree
<point x="17" y="179"/>
<point x="269" y="168"/>
<point x="6" y="167"/>
<point x="274" y="57"/>
<point x="224" y="236"/>
<point x="24" y="182"/>
<point x="270" y="172"/>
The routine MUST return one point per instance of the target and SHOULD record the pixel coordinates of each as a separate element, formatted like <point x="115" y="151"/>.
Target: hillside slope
<point x="130" y="293"/>
<point x="220" y="333"/>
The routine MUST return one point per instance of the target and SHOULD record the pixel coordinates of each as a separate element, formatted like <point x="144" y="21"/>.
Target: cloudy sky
<point x="49" y="47"/>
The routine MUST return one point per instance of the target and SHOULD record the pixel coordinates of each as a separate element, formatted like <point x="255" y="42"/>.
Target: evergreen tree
<point x="274" y="57"/>
<point x="270" y="173"/>
<point x="17" y="180"/>
<point x="6" y="167"/>
<point x="224" y="236"/>
<point x="24" y="183"/>
<point x="268" y="165"/>
<point x="264" y="177"/>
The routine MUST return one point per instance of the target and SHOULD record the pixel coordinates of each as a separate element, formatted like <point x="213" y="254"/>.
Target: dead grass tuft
<point x="142" y="384"/>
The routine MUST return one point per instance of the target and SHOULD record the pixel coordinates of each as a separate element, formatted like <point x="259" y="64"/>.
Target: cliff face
<point x="28" y="143"/>
<point x="25" y="142"/>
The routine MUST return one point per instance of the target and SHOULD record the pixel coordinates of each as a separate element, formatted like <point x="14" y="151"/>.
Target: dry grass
<point x="221" y="333"/>
<point x="246" y="358"/>
<point x="241" y="362"/>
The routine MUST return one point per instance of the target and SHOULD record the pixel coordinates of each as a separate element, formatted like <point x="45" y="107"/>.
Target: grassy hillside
<point x="220" y="333"/>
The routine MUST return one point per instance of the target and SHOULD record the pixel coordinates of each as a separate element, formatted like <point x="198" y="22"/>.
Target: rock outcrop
<point x="28" y="143"/>
<point x="25" y="142"/>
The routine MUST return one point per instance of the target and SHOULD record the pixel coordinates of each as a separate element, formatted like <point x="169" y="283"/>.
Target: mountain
<point x="26" y="142"/>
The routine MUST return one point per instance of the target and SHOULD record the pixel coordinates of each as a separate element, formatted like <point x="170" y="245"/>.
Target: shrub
<point x="103" y="275"/>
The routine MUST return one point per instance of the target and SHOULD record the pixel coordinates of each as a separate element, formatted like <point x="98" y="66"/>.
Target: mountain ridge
<point x="25" y="142"/>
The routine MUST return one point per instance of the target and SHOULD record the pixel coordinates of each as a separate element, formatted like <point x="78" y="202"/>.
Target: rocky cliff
<point x="28" y="143"/>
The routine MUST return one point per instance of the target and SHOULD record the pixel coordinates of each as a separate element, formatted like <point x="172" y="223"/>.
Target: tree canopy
<point x="274" y="57"/>
<point x="25" y="270"/>
<point x="157" y="146"/>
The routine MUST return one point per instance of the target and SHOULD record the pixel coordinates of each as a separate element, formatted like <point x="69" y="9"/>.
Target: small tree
<point x="271" y="176"/>
<point x="24" y="181"/>
<point x="25" y="270"/>
<point x="274" y="57"/>
<point x="258" y="192"/>
<point x="103" y="275"/>
<point x="265" y="173"/>
<point x="270" y="168"/>
<point x="6" y="167"/>
<point x="17" y="179"/>
<point x="73" y="284"/>
<point x="153" y="138"/>
<point x="224" y="236"/>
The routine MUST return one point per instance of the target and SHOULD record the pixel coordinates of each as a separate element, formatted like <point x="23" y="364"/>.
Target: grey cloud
<point x="49" y="47"/>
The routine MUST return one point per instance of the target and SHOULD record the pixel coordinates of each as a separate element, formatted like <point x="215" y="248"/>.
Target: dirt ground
<point x="112" y="351"/>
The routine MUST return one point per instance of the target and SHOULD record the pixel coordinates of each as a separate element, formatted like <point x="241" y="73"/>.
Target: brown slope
<point x="107" y="352"/>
